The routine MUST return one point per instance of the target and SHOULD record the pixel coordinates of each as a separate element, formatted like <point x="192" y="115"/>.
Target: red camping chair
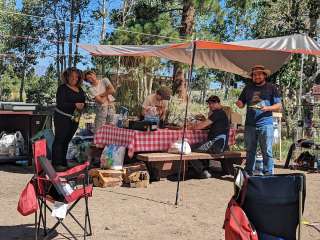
<point x="50" y="188"/>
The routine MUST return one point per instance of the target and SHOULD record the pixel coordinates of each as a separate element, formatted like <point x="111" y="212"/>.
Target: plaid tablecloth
<point x="139" y="141"/>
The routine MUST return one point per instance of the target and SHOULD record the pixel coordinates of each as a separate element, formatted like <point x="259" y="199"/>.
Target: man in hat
<point x="262" y="98"/>
<point x="157" y="103"/>
<point x="217" y="142"/>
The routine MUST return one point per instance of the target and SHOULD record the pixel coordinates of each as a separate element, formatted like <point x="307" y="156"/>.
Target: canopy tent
<point x="234" y="57"/>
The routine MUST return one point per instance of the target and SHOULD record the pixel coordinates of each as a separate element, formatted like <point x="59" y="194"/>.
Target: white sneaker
<point x="205" y="174"/>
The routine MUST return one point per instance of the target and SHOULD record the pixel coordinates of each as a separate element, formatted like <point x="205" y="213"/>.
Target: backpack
<point x="28" y="202"/>
<point x="236" y="224"/>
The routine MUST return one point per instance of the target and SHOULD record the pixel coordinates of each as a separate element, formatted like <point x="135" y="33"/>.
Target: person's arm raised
<point x="201" y="125"/>
<point x="274" y="108"/>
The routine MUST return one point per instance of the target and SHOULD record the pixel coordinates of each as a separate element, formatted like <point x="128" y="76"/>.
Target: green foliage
<point x="127" y="96"/>
<point x="42" y="89"/>
<point x="9" y="85"/>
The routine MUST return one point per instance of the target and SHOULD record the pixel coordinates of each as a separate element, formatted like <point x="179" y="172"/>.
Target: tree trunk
<point x="58" y="57"/>
<point x="72" y="13"/>
<point x="64" y="57"/>
<point x="229" y="77"/>
<point x="150" y="82"/>
<point x="285" y="118"/>
<point x="145" y="79"/>
<point x="314" y="14"/>
<point x="76" y="57"/>
<point x="179" y="85"/>
<point x="187" y="23"/>
<point x="58" y="38"/>
<point x="187" y="20"/>
<point x="104" y="20"/>
<point x="138" y="85"/>
<point x="204" y="92"/>
<point x="23" y="75"/>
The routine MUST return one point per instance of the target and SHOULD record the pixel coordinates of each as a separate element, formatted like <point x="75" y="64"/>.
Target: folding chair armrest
<point x="74" y="170"/>
<point x="44" y="179"/>
<point x="77" y="177"/>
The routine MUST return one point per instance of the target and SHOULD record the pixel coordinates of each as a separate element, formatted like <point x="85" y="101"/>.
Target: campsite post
<point x="194" y="47"/>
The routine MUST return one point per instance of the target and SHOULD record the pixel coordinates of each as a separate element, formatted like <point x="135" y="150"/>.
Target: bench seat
<point x="163" y="156"/>
<point x="162" y="164"/>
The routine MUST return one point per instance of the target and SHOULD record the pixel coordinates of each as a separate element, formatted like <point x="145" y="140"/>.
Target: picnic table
<point x="149" y="141"/>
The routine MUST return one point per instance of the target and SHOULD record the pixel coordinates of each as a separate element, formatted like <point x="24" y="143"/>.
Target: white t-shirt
<point x="152" y="101"/>
<point x="100" y="89"/>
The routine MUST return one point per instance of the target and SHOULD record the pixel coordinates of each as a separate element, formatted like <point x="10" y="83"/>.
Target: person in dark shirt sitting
<point x="218" y="124"/>
<point x="70" y="99"/>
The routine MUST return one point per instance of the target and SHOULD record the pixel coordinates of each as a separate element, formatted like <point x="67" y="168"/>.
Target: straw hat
<point x="260" y="68"/>
<point x="214" y="99"/>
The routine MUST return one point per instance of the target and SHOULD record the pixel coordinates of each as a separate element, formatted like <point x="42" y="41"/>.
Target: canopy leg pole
<point x="300" y="129"/>
<point x="194" y="47"/>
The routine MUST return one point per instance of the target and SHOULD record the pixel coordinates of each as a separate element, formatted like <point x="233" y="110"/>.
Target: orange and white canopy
<point x="234" y="57"/>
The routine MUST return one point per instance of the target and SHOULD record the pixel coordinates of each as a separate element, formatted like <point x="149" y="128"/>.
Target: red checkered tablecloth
<point x="139" y="141"/>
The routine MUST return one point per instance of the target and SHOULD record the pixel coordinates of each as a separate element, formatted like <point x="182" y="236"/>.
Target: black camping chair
<point x="274" y="203"/>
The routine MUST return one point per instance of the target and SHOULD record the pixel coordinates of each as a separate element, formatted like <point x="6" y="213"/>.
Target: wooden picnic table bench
<point x="162" y="164"/>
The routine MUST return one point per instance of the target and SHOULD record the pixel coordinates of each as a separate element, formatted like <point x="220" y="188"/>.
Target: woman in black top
<point x="70" y="98"/>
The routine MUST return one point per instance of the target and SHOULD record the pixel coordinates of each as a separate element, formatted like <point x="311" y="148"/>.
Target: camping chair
<point x="50" y="187"/>
<point x="274" y="203"/>
<point x="48" y="135"/>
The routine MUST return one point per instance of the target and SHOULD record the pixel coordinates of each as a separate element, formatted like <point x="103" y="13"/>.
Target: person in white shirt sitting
<point x="156" y="104"/>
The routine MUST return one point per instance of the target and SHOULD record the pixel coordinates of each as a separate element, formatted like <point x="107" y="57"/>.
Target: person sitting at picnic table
<point x="101" y="90"/>
<point x="156" y="104"/>
<point x="217" y="142"/>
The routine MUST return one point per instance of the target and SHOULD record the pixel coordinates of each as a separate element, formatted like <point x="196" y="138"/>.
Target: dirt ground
<point x="128" y="213"/>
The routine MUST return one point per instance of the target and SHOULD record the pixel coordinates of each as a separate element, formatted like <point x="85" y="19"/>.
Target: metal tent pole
<point x="194" y="47"/>
<point x="300" y="129"/>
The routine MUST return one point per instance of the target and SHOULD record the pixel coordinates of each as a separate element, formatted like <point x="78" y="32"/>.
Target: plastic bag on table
<point x="176" y="147"/>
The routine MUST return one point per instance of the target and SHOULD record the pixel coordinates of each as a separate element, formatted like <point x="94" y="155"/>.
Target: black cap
<point x="214" y="99"/>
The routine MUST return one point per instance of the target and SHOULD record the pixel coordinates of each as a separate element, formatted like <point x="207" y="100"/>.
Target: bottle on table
<point x="76" y="116"/>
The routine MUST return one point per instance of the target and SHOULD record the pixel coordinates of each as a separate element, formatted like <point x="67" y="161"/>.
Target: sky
<point x="93" y="38"/>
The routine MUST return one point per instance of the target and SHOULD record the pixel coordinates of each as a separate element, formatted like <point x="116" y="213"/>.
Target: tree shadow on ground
<point x="217" y="175"/>
<point x="14" y="168"/>
<point x="140" y="197"/>
<point x="22" y="231"/>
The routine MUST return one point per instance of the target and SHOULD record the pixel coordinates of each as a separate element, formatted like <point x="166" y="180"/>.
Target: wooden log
<point x="131" y="168"/>
<point x="139" y="179"/>
<point x="106" y="178"/>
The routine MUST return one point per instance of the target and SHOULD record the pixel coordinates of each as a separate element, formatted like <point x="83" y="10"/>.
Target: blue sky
<point x="93" y="38"/>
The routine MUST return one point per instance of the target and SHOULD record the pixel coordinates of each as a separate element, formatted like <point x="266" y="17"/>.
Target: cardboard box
<point x="106" y="178"/>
